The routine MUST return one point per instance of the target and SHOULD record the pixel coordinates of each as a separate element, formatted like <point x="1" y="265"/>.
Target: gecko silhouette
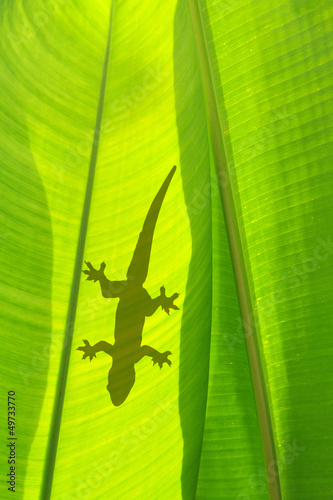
<point x="134" y="305"/>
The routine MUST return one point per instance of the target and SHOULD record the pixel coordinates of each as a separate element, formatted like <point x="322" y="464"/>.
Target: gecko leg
<point x="165" y="302"/>
<point x="90" y="350"/>
<point x="157" y="357"/>
<point x="110" y="289"/>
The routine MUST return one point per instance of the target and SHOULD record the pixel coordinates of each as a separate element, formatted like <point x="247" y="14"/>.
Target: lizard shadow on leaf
<point x="134" y="305"/>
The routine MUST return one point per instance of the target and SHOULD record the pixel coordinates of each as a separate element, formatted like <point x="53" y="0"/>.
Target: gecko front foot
<point x="167" y="302"/>
<point x="162" y="357"/>
<point x="87" y="349"/>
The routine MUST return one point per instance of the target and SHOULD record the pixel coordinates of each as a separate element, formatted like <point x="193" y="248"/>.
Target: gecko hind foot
<point x="87" y="349"/>
<point x="167" y="302"/>
<point x="92" y="273"/>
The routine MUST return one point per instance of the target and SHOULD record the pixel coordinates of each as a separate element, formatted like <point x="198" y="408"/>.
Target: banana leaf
<point x="99" y="100"/>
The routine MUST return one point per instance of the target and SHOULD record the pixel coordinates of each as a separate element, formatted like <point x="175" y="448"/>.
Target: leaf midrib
<point x="236" y="252"/>
<point x="51" y="452"/>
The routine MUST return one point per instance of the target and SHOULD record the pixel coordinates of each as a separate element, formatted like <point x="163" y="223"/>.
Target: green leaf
<point x="100" y="100"/>
<point x="271" y="74"/>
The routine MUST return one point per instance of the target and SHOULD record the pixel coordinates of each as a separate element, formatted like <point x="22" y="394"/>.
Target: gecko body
<point x="135" y="304"/>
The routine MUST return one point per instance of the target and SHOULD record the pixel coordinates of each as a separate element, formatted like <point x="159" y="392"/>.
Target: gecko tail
<point x="138" y="268"/>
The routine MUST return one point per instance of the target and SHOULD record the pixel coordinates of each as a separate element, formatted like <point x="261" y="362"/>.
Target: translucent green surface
<point x="191" y="430"/>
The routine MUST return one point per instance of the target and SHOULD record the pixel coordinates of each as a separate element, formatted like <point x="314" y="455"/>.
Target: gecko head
<point x="121" y="381"/>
